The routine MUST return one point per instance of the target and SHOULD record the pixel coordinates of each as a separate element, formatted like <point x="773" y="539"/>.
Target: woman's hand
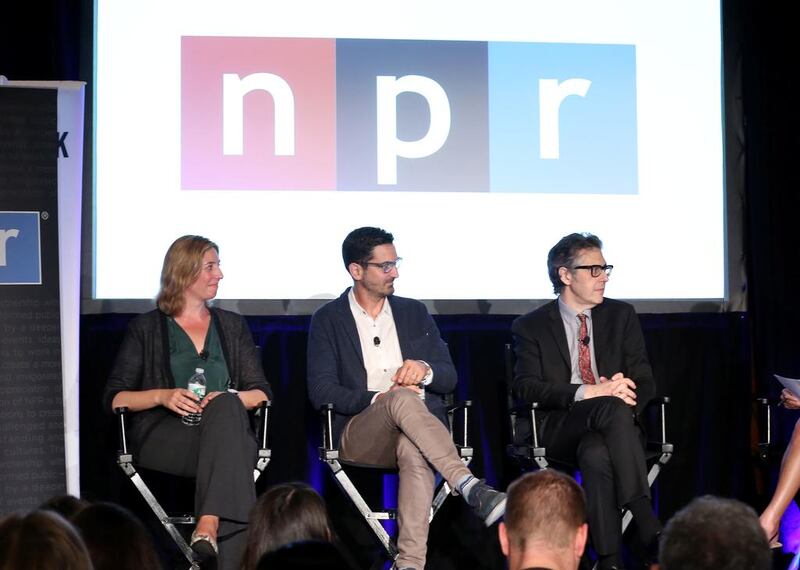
<point x="789" y="400"/>
<point x="210" y="396"/>
<point x="179" y="400"/>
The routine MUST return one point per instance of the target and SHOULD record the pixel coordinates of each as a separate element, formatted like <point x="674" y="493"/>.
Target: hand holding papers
<point x="790" y="397"/>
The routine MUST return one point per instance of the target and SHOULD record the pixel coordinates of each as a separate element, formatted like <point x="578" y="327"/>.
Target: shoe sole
<point x="496" y="513"/>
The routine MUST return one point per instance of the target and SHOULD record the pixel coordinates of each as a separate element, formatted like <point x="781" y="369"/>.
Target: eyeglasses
<point x="386" y="266"/>
<point x="596" y="269"/>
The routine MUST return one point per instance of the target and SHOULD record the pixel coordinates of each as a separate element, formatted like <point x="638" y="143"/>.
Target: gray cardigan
<point x="142" y="362"/>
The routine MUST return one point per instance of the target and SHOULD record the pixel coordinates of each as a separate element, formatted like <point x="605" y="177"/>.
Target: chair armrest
<point x="326" y="412"/>
<point x="262" y="413"/>
<point x="659" y="403"/>
<point x="529" y="411"/>
<point x="122" y="412"/>
<point x="764" y="425"/>
<point x="465" y="406"/>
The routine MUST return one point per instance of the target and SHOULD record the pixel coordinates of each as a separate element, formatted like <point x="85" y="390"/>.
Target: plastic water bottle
<point x="197" y="384"/>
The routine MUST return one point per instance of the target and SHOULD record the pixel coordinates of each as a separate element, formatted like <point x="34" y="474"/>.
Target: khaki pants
<point x="398" y="431"/>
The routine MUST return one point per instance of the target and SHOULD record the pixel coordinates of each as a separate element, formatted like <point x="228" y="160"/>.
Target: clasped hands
<point x="184" y="402"/>
<point x="409" y="375"/>
<point x="618" y="386"/>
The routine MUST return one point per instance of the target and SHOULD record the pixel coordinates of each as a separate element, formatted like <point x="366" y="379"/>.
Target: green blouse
<point x="184" y="358"/>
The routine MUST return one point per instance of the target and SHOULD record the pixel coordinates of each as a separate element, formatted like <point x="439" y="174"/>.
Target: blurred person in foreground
<point x="115" y="538"/>
<point x="712" y="533"/>
<point x="292" y="517"/>
<point x="545" y="522"/>
<point x="41" y="540"/>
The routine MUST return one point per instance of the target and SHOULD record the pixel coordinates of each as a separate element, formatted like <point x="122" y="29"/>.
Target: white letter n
<point x="234" y="89"/>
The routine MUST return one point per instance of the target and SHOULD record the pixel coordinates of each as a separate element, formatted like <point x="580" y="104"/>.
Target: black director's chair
<point x="125" y="460"/>
<point x="330" y="455"/>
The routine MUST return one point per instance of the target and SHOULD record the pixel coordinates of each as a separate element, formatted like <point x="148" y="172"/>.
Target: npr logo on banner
<point x="20" y="249"/>
<point x="403" y="115"/>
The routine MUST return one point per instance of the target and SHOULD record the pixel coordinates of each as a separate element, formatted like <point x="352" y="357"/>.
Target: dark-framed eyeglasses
<point x="386" y="266"/>
<point x="596" y="270"/>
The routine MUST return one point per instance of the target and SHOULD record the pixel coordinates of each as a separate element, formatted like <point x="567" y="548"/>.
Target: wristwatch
<point x="428" y="375"/>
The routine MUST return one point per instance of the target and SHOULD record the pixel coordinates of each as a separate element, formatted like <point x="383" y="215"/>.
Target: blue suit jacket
<point x="336" y="372"/>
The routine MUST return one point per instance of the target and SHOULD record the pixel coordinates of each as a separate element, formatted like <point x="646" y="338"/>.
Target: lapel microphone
<point x="376" y="341"/>
<point x="585" y="340"/>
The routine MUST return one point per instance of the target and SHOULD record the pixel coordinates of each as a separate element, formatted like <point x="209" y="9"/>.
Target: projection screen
<point x="478" y="133"/>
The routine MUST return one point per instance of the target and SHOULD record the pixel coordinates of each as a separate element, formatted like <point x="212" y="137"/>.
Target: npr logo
<point x="324" y="114"/>
<point x="20" y="251"/>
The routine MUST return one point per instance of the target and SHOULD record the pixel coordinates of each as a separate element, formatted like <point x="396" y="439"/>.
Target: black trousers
<point x="602" y="438"/>
<point x="220" y="453"/>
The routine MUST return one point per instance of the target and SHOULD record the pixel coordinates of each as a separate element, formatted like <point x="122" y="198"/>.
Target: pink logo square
<point x="258" y="113"/>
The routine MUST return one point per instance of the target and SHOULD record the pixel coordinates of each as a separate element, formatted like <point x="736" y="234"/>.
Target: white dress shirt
<point x="382" y="357"/>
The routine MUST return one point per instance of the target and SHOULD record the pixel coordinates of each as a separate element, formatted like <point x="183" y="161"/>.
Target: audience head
<point x="358" y="245"/>
<point x="285" y="514"/>
<point x="308" y="555"/>
<point x="714" y="533"/>
<point x="115" y="538"/>
<point x="182" y="265"/>
<point x="66" y="505"/>
<point x="41" y="540"/>
<point x="563" y="254"/>
<point x="545" y="521"/>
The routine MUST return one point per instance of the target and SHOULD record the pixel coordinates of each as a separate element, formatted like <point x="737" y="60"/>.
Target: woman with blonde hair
<point x="160" y="352"/>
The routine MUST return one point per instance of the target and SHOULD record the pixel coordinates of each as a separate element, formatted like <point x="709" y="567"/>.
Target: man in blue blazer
<point x="379" y="359"/>
<point x="583" y="359"/>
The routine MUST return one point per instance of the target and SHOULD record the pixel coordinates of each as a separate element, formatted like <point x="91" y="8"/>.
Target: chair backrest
<point x="508" y="360"/>
<point x="508" y="377"/>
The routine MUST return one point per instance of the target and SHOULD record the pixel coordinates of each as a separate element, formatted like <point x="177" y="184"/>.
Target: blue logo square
<point x="20" y="249"/>
<point x="563" y="118"/>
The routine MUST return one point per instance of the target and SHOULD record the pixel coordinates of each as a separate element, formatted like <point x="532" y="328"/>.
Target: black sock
<point x="646" y="521"/>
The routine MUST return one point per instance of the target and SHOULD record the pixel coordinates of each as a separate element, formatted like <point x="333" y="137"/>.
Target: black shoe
<point x="488" y="504"/>
<point x="204" y="546"/>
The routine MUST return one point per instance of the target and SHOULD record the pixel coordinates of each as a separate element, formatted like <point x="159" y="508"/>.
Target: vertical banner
<point x="40" y="220"/>
<point x="32" y="460"/>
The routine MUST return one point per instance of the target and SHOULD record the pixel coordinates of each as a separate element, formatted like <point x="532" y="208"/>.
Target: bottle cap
<point x="199" y="370"/>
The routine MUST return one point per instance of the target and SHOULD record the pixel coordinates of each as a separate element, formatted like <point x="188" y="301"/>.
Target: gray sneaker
<point x="488" y="504"/>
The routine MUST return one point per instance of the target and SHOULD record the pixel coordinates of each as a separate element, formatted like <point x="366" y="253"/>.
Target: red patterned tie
<point x="584" y="358"/>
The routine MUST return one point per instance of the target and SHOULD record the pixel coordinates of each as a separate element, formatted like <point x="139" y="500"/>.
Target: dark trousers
<point x="602" y="438"/>
<point x="221" y="453"/>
